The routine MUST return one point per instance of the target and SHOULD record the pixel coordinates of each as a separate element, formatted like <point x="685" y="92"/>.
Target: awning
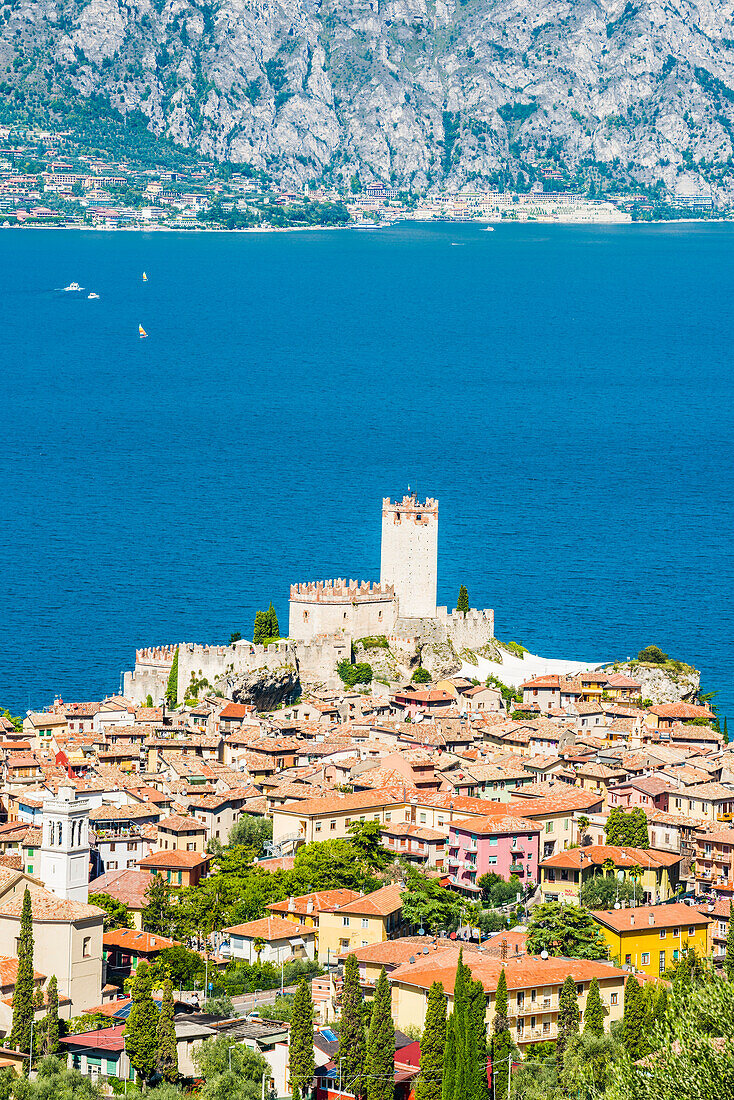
<point x="297" y="943"/>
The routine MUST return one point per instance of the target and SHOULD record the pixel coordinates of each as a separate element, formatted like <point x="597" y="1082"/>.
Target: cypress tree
<point x="478" y="1024"/>
<point x="433" y="1045"/>
<point x="172" y="686"/>
<point x="726" y="733"/>
<point x="380" y="1060"/>
<point x="501" y="1041"/>
<point x="568" y="1016"/>
<point x="301" y="1065"/>
<point x="351" y="1030"/>
<point x="20" y="1035"/>
<point x="167" y="1051"/>
<point x="50" y="1043"/>
<point x="460" y="1028"/>
<point x="157" y="913"/>
<point x="141" y="1031"/>
<point x="449" y="1067"/>
<point x="462" y="604"/>
<point x="272" y="621"/>
<point x="594" y="1015"/>
<point x="633" y="1021"/>
<point x="729" y="964"/>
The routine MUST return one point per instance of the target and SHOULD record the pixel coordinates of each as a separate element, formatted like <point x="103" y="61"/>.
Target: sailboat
<point x="145" y="277"/>
<point x="141" y="332"/>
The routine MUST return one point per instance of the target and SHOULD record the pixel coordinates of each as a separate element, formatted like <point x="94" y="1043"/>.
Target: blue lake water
<point x="566" y="393"/>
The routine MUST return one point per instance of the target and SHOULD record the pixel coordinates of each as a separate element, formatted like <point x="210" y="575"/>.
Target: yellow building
<point x="653" y="937"/>
<point x="533" y="989"/>
<point x="370" y="919"/>
<point x="563" y="874"/>
<point x="307" y="909"/>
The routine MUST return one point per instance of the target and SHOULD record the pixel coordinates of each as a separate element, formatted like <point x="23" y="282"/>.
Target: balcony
<point x="453" y="861"/>
<point x="471" y="848"/>
<point x="517" y="869"/>
<point x="517" y="850"/>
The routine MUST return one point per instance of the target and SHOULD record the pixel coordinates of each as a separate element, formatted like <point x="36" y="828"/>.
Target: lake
<point x="566" y="393"/>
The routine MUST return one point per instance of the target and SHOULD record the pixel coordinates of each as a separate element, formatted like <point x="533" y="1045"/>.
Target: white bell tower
<point x="65" y="846"/>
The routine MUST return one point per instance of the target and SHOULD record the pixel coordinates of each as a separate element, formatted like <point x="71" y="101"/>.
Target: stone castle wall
<point x="358" y="609"/>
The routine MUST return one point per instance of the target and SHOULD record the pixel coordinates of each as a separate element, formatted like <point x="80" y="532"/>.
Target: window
<point x="645" y="958"/>
<point x="345" y="921"/>
<point x="691" y="931"/>
<point x="87" y="947"/>
<point x="492" y="861"/>
<point x="388" y="816"/>
<point x="189" y="847"/>
<point x="662" y="961"/>
<point x="317" y="827"/>
<point x="131" y="846"/>
<point x="614" y="999"/>
<point x="662" y="933"/>
<point x="628" y="960"/>
<point x="549" y="826"/>
<point x="364" y="943"/>
<point x="422" y="819"/>
<point x="30" y="868"/>
<point x="493" y="842"/>
<point x="676" y="931"/>
<point x="579" y="989"/>
<point x="332" y="826"/>
<point x="365" y="922"/>
<point x="550" y="875"/>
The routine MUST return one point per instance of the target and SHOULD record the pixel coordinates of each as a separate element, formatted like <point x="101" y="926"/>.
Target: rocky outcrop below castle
<point x="265" y="688"/>
<point x="417" y="94"/>
<point x="673" y="682"/>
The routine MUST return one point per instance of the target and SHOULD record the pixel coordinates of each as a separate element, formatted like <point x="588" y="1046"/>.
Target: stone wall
<point x="357" y="609"/>
<point x="409" y="559"/>
<point x="468" y="631"/>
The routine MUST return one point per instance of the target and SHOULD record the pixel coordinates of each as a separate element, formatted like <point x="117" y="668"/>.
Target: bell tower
<point x="65" y="846"/>
<point x="410" y="554"/>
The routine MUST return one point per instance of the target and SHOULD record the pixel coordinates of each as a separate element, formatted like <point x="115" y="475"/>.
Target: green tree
<point x="638" y="825"/>
<point x="172" y="686"/>
<point x="329" y="864"/>
<point x="594" y="1015"/>
<point x="652" y="655"/>
<point x="158" y="912"/>
<point x="301" y="1065"/>
<point x="351" y="1030"/>
<point x="167" y="1050"/>
<point x="367" y="840"/>
<point x="149" y="700"/>
<point x="433" y="1044"/>
<point x="462" y="604"/>
<point x="252" y="832"/>
<point x="235" y="636"/>
<point x="426" y="902"/>
<point x="421" y="676"/>
<point x="179" y="964"/>
<point x="729" y="963"/>
<point x="117" y="914"/>
<point x="604" y="891"/>
<point x="565" y="931"/>
<point x="260" y="629"/>
<point x="479" y="1055"/>
<point x="632" y="1032"/>
<point x="449" y="1064"/>
<point x="231" y="1071"/>
<point x="20" y="1035"/>
<point x="568" y="1015"/>
<point x="501" y="1041"/>
<point x="272" y="622"/>
<point x="141" y="1030"/>
<point x="496" y="891"/>
<point x="380" y="1055"/>
<point x="50" y="1031"/>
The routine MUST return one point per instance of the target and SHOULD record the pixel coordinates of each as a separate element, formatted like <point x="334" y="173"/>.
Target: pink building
<point x="504" y="845"/>
<point x="647" y="792"/>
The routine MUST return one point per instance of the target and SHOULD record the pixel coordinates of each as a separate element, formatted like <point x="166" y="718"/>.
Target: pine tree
<point x="301" y="1065"/>
<point x="50" y="1043"/>
<point x="351" y="1030"/>
<point x="594" y="1014"/>
<point x="568" y="1016"/>
<point x="380" y="1060"/>
<point x="501" y="1041"/>
<point x="433" y="1046"/>
<point x="167" y="1050"/>
<point x="633" y="1021"/>
<point x="158" y="912"/>
<point x="260" y="629"/>
<point x="729" y="963"/>
<point x="20" y="1035"/>
<point x="272" y="621"/>
<point x="141" y="1030"/>
<point x="462" y="604"/>
<point x="172" y="686"/>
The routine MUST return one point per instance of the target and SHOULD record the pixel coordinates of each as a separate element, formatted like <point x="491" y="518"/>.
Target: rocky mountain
<point x="419" y="93"/>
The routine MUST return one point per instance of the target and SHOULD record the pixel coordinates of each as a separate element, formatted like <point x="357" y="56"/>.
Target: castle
<point x="325" y="617"/>
<point x="403" y="603"/>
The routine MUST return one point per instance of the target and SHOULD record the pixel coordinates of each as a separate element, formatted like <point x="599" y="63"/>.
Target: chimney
<point x="309" y="905"/>
<point x="651" y="918"/>
<point x="291" y="905"/>
<point x="632" y="918"/>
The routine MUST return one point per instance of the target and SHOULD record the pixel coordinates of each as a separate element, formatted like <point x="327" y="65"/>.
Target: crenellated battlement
<point x="156" y="655"/>
<point x="410" y="509"/>
<point x="340" y="590"/>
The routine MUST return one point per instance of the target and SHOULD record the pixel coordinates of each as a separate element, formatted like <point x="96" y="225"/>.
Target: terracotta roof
<point x="236" y="710"/>
<point x="650" y="916"/>
<point x="174" y="859"/>
<point x="181" y="823"/>
<point x="418" y="832"/>
<point x="9" y="971"/>
<point x="596" y="854"/>
<point x="681" y="710"/>
<point x="528" y="971"/>
<point x="269" y="928"/>
<point x="380" y="903"/>
<point x="323" y="901"/>
<point x="107" y="1038"/>
<point x="488" y="826"/>
<point x="128" y="886"/>
<point x="135" y="941"/>
<point x="45" y="906"/>
<point x="280" y="863"/>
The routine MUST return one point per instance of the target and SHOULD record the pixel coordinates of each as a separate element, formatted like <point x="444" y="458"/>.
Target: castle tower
<point x="65" y="846"/>
<point x="410" y="554"/>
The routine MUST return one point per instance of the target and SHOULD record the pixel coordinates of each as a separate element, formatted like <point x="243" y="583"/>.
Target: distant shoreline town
<point x="46" y="182"/>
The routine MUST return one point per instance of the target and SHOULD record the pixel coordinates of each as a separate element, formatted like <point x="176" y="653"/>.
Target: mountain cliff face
<point x="420" y="93"/>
